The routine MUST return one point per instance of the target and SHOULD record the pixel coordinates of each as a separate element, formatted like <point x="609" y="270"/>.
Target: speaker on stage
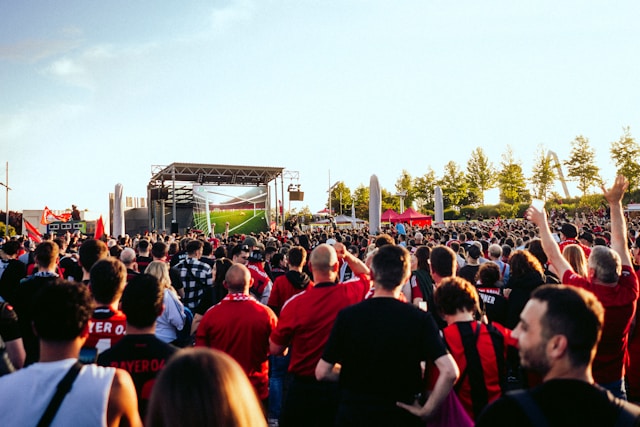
<point x="174" y="227"/>
<point x="296" y="196"/>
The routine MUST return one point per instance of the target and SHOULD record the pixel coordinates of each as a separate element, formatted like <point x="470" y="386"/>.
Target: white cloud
<point x="81" y="70"/>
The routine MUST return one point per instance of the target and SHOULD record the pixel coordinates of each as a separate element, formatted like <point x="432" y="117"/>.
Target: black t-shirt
<point x="380" y="343"/>
<point x="9" y="328"/>
<point x="143" y="356"/>
<point x="143" y="262"/>
<point x="71" y="268"/>
<point x="469" y="272"/>
<point x="494" y="303"/>
<point x="563" y="403"/>
<point x="23" y="302"/>
<point x="13" y="272"/>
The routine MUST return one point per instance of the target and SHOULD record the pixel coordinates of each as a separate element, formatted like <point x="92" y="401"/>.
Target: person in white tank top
<point x="99" y="396"/>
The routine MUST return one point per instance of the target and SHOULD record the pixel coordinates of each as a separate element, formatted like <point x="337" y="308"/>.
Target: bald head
<point x="238" y="279"/>
<point x="324" y="263"/>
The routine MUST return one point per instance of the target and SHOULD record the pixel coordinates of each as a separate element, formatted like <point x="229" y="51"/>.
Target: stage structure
<point x="197" y="192"/>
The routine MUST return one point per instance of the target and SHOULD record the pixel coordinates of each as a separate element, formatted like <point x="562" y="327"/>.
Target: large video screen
<point x="245" y="208"/>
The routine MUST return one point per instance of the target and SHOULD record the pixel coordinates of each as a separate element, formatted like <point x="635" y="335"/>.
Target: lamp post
<point x="402" y="195"/>
<point x="7" y="188"/>
<point x="330" y="190"/>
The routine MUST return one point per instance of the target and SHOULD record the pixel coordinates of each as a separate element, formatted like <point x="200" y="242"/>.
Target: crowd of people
<point x="516" y="322"/>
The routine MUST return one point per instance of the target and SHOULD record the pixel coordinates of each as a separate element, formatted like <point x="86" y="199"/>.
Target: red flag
<point x="33" y="233"/>
<point x="47" y="216"/>
<point x="99" y="228"/>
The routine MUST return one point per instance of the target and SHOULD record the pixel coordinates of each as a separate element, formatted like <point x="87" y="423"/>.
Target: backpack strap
<point x="64" y="386"/>
<point x="497" y="339"/>
<point x="529" y="407"/>
<point x="479" y="394"/>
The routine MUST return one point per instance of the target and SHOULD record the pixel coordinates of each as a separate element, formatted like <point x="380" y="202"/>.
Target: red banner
<point x="33" y="233"/>
<point x="99" y="228"/>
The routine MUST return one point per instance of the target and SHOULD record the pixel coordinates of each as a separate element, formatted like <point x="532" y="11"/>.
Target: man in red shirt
<point x="569" y="236"/>
<point x="240" y="326"/>
<point x="612" y="279"/>
<point x="305" y="324"/>
<point x="292" y="283"/>
<point x="108" y="325"/>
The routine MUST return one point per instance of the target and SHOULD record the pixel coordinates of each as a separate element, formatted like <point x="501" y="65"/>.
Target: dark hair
<point x="422" y="255"/>
<point x="193" y="246"/>
<point x="159" y="250"/>
<point x="384" y="239"/>
<point x="61" y="310"/>
<point x="535" y="247"/>
<point x="11" y="247"/>
<point x="91" y="251"/>
<point x="488" y="274"/>
<point x="456" y="293"/>
<point x="391" y="266"/>
<point x="276" y="259"/>
<point x="222" y="266"/>
<point x="207" y="248"/>
<point x="107" y="280"/>
<point x="142" y="300"/>
<point x="575" y="313"/>
<point x="235" y="251"/>
<point x="473" y="251"/>
<point x="46" y="253"/>
<point x="443" y="261"/>
<point x="143" y="244"/>
<point x="297" y="256"/>
<point x="523" y="262"/>
<point x="220" y="252"/>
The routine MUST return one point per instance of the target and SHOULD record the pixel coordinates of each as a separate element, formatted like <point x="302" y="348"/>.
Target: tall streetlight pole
<point x="7" y="188"/>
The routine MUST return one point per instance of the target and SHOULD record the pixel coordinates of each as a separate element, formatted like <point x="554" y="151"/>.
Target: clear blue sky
<point x="95" y="93"/>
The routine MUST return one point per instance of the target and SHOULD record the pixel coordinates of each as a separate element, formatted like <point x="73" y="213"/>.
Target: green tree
<point x="625" y="153"/>
<point x="511" y="180"/>
<point x="341" y="198"/>
<point x="389" y="200"/>
<point x="581" y="164"/>
<point x="543" y="174"/>
<point x="481" y="175"/>
<point x="424" y="187"/>
<point x="454" y="186"/>
<point x="361" y="200"/>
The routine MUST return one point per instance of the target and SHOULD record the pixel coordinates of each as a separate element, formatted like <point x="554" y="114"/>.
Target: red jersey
<point x="261" y="282"/>
<point x="307" y="318"/>
<point x="240" y="326"/>
<point x="106" y="328"/>
<point x="283" y="290"/>
<point x="619" y="303"/>
<point x="567" y="242"/>
<point x="487" y="353"/>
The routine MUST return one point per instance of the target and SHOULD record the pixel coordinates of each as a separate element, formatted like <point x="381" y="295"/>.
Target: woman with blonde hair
<point x="203" y="387"/>
<point x="577" y="258"/>
<point x="173" y="317"/>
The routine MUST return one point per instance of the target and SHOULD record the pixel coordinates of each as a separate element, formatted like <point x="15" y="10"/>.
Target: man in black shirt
<point x="557" y="336"/>
<point x="375" y="350"/>
<point x="139" y="352"/>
